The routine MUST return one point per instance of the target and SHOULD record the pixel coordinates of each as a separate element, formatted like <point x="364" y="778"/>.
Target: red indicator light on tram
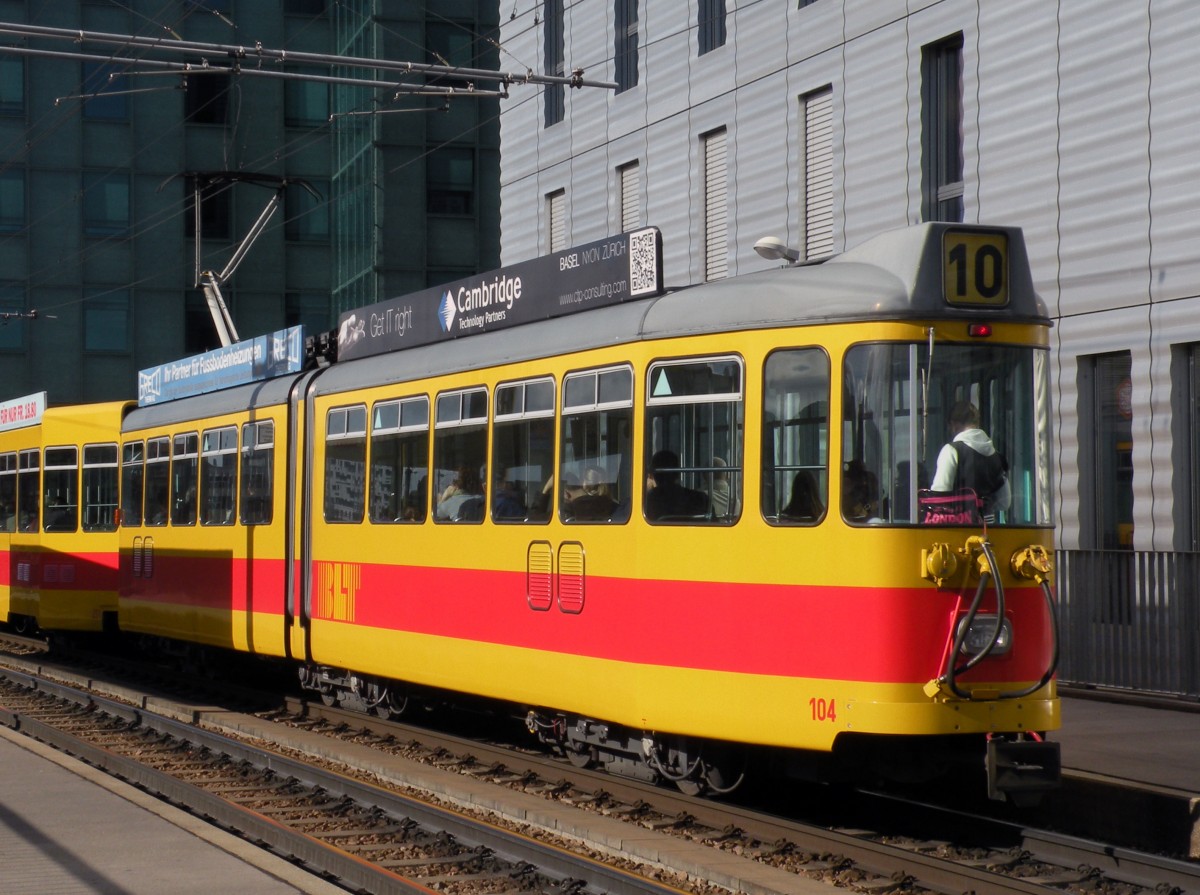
<point x="982" y="330"/>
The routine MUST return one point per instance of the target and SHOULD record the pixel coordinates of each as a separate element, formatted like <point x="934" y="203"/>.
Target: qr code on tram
<point x="643" y="261"/>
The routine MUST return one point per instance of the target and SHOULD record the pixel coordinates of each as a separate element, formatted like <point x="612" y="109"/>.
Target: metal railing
<point x="1130" y="620"/>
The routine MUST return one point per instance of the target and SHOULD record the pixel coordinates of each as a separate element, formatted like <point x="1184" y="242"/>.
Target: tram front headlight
<point x="980" y="633"/>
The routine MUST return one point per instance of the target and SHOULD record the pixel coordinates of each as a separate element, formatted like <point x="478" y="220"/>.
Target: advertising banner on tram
<point x="605" y="272"/>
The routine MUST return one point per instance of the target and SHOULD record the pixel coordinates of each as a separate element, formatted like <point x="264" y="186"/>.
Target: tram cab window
<point x="399" y="460"/>
<point x="184" y="462"/>
<point x="132" y="482"/>
<point x="694" y="434"/>
<point x="8" y="492"/>
<point x="460" y="456"/>
<point x="522" y="450"/>
<point x="345" y="463"/>
<point x="29" y="492"/>
<point x="594" y="479"/>
<point x="100" y="487"/>
<point x="257" y="472"/>
<point x="158" y="481"/>
<point x="795" y="437"/>
<point x="218" y="476"/>
<point x="897" y="399"/>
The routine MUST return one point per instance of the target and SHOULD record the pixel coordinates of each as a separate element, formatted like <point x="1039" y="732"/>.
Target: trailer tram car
<point x="58" y="515"/>
<point x="667" y="530"/>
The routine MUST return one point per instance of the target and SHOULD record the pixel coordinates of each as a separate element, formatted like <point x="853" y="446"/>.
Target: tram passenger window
<point x="29" y="492"/>
<point x="400" y="460"/>
<point x="594" y="472"/>
<point x="345" y="464"/>
<point x="60" y="488"/>
<point x="795" y="437"/>
<point x="258" y="463"/>
<point x="522" y="450"/>
<point x="158" y="481"/>
<point x="132" y="482"/>
<point x="460" y="456"/>
<point x="8" y="492"/>
<point x="218" y="476"/>
<point x="100" y="474"/>
<point x="694" y="433"/>
<point x="184" y="460"/>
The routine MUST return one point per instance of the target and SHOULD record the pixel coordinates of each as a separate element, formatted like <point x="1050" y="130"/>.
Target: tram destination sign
<point x="253" y="360"/>
<point x="605" y="272"/>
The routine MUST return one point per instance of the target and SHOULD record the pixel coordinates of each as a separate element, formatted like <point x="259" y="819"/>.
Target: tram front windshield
<point x="898" y="401"/>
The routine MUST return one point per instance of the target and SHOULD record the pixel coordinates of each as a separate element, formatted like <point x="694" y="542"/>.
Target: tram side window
<point x="100" y="474"/>
<point x="460" y="456"/>
<point x="184" y="460"/>
<point x="158" y="480"/>
<point x="8" y="492"/>
<point x="132" y="482"/>
<point x="594" y="469"/>
<point x="694" y="422"/>
<point x="218" y="476"/>
<point x="522" y="450"/>
<point x="258" y="463"/>
<point x="400" y="460"/>
<point x="29" y="491"/>
<point x="795" y="438"/>
<point x="60" y="488"/>
<point x="345" y="463"/>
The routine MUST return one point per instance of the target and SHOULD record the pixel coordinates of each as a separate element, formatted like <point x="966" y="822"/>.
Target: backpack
<point x="983" y="475"/>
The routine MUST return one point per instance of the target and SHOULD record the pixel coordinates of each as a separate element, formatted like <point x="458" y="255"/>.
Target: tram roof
<point x="894" y="276"/>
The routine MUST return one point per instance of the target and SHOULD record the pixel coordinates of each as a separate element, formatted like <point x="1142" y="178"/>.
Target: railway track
<point x="1002" y="857"/>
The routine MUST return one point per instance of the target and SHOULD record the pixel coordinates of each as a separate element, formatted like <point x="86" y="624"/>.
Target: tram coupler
<point x="1021" y="771"/>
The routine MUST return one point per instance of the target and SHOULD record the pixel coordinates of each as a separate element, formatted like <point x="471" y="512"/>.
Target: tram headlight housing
<point x="980" y="632"/>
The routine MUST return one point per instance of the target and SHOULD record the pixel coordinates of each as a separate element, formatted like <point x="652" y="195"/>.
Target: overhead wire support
<point x="239" y="53"/>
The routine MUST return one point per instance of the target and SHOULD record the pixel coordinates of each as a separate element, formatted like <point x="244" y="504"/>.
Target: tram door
<point x="297" y="614"/>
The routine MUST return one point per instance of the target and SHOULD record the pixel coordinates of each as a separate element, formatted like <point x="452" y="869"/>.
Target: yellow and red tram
<point x="58" y="515"/>
<point x="665" y="529"/>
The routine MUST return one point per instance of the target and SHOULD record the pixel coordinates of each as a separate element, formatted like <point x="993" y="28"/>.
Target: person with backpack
<point x="970" y="460"/>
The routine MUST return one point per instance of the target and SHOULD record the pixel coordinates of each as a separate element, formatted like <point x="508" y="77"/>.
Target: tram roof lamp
<point x="774" y="249"/>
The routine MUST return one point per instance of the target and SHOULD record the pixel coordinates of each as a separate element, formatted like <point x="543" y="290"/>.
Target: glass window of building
<point x="630" y="179"/>
<point x="554" y="61"/>
<point x="12" y="199"/>
<point x="625" y="43"/>
<point x="710" y="25"/>
<point x="941" y="130"/>
<point x="105" y="203"/>
<point x="556" y="220"/>
<point x="1106" y="451"/>
<point x="12" y="86"/>
<point x="450" y="181"/>
<point x="103" y="89"/>
<point x="106" y="320"/>
<point x="206" y="96"/>
<point x="12" y="324"/>
<point x="400" y="460"/>
<point x="305" y="102"/>
<point x="216" y="208"/>
<point x="795" y="482"/>
<point x="694" y="433"/>
<point x="306" y="207"/>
